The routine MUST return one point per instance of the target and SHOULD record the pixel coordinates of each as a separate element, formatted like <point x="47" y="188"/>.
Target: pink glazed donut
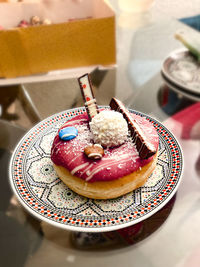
<point x="118" y="172"/>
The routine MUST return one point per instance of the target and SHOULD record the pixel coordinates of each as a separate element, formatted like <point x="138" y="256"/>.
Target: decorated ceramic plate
<point x="183" y="69"/>
<point x="179" y="90"/>
<point x="44" y="195"/>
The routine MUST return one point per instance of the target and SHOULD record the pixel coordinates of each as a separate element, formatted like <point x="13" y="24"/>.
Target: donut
<point x="116" y="171"/>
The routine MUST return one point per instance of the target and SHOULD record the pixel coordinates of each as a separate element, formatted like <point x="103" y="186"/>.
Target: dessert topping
<point x="88" y="95"/>
<point x="94" y="151"/>
<point x="145" y="149"/>
<point x="68" y="133"/>
<point x="109" y="128"/>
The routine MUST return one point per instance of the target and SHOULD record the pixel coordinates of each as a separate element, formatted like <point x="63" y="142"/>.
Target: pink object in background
<point x="23" y="24"/>
<point x="189" y="119"/>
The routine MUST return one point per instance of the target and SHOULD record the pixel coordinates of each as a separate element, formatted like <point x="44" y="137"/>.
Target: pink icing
<point x="117" y="161"/>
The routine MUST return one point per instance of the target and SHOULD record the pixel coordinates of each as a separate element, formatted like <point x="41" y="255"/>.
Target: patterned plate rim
<point x="168" y="60"/>
<point x="70" y="223"/>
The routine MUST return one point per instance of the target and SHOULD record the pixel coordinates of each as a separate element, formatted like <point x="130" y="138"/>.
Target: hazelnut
<point x="94" y="151"/>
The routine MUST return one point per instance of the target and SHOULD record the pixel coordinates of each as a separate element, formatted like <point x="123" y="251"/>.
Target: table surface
<point x="171" y="237"/>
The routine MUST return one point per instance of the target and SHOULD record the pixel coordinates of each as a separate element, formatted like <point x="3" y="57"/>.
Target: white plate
<point x="180" y="91"/>
<point x="183" y="69"/>
<point x="44" y="195"/>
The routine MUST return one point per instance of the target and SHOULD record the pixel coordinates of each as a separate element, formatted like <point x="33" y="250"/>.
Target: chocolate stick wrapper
<point x="88" y="95"/>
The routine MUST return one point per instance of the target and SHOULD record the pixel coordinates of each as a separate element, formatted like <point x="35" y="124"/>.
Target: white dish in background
<point x="180" y="91"/>
<point x="183" y="69"/>
<point x="45" y="196"/>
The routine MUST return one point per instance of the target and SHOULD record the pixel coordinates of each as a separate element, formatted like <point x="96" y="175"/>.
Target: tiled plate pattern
<point x="38" y="188"/>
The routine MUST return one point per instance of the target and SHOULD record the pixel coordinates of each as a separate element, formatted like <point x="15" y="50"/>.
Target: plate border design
<point x="88" y="224"/>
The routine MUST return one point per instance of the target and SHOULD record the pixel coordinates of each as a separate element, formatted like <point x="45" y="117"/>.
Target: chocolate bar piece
<point x="88" y="95"/>
<point x="144" y="148"/>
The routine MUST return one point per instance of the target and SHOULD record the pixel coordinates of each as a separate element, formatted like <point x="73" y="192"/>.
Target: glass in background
<point x="135" y="6"/>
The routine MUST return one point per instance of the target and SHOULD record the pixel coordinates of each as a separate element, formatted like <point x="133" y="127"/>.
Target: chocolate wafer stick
<point x="144" y="148"/>
<point x="88" y="95"/>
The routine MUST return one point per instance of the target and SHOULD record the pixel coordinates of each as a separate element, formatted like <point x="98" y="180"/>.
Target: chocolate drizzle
<point x="88" y="95"/>
<point x="144" y="148"/>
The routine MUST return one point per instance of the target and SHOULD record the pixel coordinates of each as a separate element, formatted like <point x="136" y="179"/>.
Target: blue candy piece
<point x="68" y="133"/>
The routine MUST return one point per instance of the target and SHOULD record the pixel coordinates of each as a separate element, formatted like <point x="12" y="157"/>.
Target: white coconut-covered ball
<point x="109" y="128"/>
